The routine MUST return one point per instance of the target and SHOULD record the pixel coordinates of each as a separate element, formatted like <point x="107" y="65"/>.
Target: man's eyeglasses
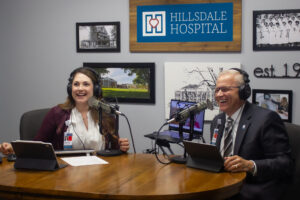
<point x="225" y="88"/>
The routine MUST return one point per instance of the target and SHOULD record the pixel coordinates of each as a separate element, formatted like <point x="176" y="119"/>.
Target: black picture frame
<point x="275" y="100"/>
<point x="284" y="32"/>
<point x="98" y="37"/>
<point x="126" y="82"/>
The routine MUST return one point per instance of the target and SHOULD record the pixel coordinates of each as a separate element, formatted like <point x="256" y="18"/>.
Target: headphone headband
<point x="244" y="73"/>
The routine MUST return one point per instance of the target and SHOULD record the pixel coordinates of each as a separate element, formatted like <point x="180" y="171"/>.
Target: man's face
<point x="227" y="95"/>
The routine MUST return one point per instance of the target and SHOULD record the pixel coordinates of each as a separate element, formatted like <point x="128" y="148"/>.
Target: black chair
<point x="293" y="131"/>
<point x="31" y="122"/>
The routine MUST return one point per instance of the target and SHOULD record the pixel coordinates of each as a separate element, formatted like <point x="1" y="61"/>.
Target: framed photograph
<point x="276" y="30"/>
<point x="194" y="82"/>
<point x="280" y="101"/>
<point x="98" y="37"/>
<point x="126" y="82"/>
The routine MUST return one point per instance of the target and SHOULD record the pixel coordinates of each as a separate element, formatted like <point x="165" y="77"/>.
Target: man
<point x="259" y="142"/>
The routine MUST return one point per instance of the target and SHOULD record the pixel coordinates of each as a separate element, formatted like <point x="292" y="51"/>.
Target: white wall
<point x="37" y="53"/>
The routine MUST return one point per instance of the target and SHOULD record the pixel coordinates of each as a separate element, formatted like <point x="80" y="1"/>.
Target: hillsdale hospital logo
<point x="185" y="22"/>
<point x="154" y="23"/>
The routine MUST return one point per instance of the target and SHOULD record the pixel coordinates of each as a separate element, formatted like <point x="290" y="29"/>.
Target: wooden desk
<point x="132" y="176"/>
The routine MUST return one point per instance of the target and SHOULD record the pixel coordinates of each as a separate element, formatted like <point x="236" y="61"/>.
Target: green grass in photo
<point x="126" y="93"/>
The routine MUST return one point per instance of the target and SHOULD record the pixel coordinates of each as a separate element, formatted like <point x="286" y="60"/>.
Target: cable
<point x="155" y="144"/>
<point x="129" y="131"/>
<point x="76" y="133"/>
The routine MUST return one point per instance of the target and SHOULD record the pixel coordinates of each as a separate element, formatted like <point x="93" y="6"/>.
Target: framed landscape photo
<point x="126" y="82"/>
<point x="98" y="37"/>
<point x="276" y="30"/>
<point x="280" y="101"/>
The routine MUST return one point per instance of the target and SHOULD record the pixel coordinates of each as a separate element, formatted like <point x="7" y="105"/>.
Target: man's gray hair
<point x="239" y="78"/>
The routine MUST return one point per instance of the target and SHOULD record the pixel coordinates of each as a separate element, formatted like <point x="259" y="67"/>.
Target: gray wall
<point x="37" y="45"/>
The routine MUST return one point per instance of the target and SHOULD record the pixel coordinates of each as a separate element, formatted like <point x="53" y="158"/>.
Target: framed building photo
<point x="276" y="30"/>
<point x="194" y="82"/>
<point x="126" y="82"/>
<point x="98" y="37"/>
<point x="280" y="101"/>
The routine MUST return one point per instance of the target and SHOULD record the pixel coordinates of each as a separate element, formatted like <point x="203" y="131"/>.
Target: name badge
<point x="67" y="140"/>
<point x="215" y="136"/>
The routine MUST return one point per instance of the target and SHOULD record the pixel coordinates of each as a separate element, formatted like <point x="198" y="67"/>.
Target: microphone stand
<point x="180" y="159"/>
<point x="192" y="124"/>
<point x="110" y="152"/>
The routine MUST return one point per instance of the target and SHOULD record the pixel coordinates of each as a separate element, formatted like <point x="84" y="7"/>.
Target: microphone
<point x="95" y="103"/>
<point x="184" y="114"/>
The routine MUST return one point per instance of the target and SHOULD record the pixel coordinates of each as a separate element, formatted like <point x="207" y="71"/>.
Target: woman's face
<point x="82" y="88"/>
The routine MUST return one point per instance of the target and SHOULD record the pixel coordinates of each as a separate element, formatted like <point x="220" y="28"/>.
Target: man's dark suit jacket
<point x="261" y="137"/>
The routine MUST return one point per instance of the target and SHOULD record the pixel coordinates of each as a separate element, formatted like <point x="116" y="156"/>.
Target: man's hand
<point x="238" y="164"/>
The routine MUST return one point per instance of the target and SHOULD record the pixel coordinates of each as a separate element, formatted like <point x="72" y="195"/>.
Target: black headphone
<point x="97" y="85"/>
<point x="244" y="90"/>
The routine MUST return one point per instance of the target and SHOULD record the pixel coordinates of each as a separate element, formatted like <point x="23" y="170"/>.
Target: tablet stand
<point x="37" y="164"/>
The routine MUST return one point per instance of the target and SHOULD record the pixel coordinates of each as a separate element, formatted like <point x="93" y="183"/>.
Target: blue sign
<point x="211" y="22"/>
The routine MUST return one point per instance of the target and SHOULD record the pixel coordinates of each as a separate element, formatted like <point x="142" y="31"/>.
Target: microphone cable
<point x="76" y="133"/>
<point x="129" y="131"/>
<point x="155" y="149"/>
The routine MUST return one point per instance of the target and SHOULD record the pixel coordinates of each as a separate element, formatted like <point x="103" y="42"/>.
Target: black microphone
<point x="95" y="103"/>
<point x="184" y="114"/>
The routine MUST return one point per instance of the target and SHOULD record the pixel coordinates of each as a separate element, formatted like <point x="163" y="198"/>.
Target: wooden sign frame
<point x="234" y="45"/>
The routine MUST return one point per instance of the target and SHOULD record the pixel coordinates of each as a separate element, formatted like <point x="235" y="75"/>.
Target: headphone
<point x="97" y="85"/>
<point x="244" y="90"/>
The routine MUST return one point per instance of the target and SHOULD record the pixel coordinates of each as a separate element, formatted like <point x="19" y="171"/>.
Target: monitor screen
<point x="176" y="106"/>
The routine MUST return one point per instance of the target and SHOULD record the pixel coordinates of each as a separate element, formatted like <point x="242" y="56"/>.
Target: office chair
<point x="31" y="122"/>
<point x="293" y="131"/>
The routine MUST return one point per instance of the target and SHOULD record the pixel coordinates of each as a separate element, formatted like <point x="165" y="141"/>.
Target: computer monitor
<point x="175" y="107"/>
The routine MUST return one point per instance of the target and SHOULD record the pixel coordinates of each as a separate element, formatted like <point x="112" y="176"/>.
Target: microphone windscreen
<point x="93" y="102"/>
<point x="209" y="104"/>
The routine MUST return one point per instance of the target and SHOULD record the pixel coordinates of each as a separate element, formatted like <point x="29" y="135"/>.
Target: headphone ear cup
<point x="69" y="87"/>
<point x="97" y="91"/>
<point x="247" y="91"/>
<point x="244" y="92"/>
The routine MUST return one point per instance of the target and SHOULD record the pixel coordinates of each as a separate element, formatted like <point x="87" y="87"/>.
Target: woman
<point x="74" y="124"/>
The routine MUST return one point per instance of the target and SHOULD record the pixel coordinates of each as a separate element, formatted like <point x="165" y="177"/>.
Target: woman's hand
<point x="124" y="144"/>
<point x="6" y="148"/>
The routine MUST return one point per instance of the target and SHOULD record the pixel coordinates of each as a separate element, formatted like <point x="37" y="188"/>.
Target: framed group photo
<point x="126" y="82"/>
<point x="280" y="101"/>
<point x="98" y="37"/>
<point x="276" y="30"/>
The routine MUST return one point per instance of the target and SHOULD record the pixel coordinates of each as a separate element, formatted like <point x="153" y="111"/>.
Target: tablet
<point x="203" y="156"/>
<point x="35" y="155"/>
